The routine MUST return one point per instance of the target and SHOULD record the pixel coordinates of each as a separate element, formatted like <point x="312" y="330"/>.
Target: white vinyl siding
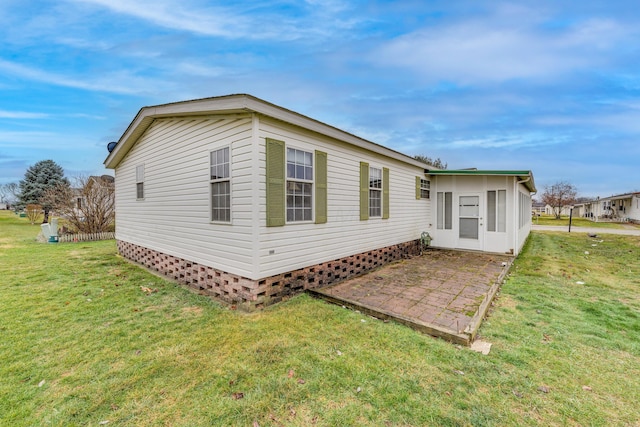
<point x="283" y="249"/>
<point x="175" y="217"/>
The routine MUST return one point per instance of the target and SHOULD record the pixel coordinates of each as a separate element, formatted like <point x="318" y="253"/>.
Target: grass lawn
<point x="580" y="222"/>
<point x="83" y="344"/>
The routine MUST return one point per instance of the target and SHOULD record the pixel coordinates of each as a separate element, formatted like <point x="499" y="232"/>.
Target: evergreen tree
<point x="38" y="178"/>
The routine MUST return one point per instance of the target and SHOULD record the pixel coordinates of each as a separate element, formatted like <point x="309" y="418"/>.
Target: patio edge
<point x="435" y="331"/>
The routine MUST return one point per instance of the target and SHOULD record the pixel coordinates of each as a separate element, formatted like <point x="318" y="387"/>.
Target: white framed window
<point x="220" y="181"/>
<point x="497" y="210"/>
<point x="444" y="210"/>
<point x="140" y="182"/>
<point x="299" y="185"/>
<point x="375" y="192"/>
<point x="425" y="189"/>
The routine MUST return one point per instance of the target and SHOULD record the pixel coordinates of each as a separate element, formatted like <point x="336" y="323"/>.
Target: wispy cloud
<point x="216" y="22"/>
<point x="119" y="82"/>
<point x="507" y="141"/>
<point x="510" y="43"/>
<point x="4" y="114"/>
<point x="235" y="21"/>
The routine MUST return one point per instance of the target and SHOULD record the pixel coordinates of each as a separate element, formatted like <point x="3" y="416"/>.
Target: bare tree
<point x="436" y="163"/>
<point x="9" y="193"/>
<point x="559" y="195"/>
<point x="33" y="212"/>
<point x="89" y="207"/>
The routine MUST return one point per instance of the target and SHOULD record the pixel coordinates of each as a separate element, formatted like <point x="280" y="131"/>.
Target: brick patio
<point x="443" y="293"/>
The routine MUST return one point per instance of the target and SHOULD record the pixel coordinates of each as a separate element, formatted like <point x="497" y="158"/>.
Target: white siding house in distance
<point x="249" y="202"/>
<point x="619" y="208"/>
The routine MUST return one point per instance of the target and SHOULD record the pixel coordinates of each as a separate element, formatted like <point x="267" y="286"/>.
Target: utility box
<point x="50" y="230"/>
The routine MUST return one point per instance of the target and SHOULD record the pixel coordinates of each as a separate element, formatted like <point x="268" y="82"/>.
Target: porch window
<point x="497" y="210"/>
<point x="444" y="210"/>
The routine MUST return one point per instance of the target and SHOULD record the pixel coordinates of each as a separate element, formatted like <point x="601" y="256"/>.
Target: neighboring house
<point x="249" y="202"/>
<point x="3" y="206"/>
<point x="550" y="210"/>
<point x="623" y="207"/>
<point x="538" y="208"/>
<point x="79" y="195"/>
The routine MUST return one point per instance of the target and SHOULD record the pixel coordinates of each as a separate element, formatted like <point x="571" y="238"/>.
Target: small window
<point x="220" y="179"/>
<point x="79" y="203"/>
<point x="425" y="189"/>
<point x="299" y="185"/>
<point x="140" y="182"/>
<point x="375" y="192"/>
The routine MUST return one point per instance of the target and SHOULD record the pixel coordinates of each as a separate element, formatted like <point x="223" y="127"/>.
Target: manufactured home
<point x="250" y="202"/>
<point x="619" y="208"/>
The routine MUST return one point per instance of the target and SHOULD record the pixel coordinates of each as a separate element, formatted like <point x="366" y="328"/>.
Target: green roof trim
<point x="523" y="175"/>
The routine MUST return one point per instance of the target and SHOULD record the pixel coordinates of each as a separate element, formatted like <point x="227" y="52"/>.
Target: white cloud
<point x="511" y="44"/>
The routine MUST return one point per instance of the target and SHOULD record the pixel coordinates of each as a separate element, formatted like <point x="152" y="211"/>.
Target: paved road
<point x="595" y="230"/>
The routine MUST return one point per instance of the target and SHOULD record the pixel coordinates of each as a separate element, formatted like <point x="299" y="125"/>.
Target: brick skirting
<point x="254" y="294"/>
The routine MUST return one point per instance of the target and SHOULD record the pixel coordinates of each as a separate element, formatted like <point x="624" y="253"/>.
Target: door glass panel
<point x="469" y="206"/>
<point x="469" y="214"/>
<point x="469" y="228"/>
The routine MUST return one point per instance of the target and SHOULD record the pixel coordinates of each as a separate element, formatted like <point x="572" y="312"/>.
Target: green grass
<point x="580" y="222"/>
<point x="81" y="344"/>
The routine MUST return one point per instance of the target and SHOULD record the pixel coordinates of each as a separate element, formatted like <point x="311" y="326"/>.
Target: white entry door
<point x="470" y="229"/>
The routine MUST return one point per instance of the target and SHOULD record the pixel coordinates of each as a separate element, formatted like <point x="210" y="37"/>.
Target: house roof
<point x="234" y="104"/>
<point x="526" y="177"/>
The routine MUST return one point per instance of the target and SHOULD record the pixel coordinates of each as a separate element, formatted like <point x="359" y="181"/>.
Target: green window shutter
<point x="385" y="193"/>
<point x="275" y="183"/>
<point x="418" y="188"/>
<point x="364" y="191"/>
<point x="321" y="187"/>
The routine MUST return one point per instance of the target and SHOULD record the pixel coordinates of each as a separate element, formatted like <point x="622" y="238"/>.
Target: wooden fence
<point x="86" y="237"/>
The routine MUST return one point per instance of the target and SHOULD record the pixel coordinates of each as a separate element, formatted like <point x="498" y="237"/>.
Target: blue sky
<point x="551" y="86"/>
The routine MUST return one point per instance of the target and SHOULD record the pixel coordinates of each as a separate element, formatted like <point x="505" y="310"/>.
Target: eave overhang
<point x="525" y="177"/>
<point x="239" y="104"/>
